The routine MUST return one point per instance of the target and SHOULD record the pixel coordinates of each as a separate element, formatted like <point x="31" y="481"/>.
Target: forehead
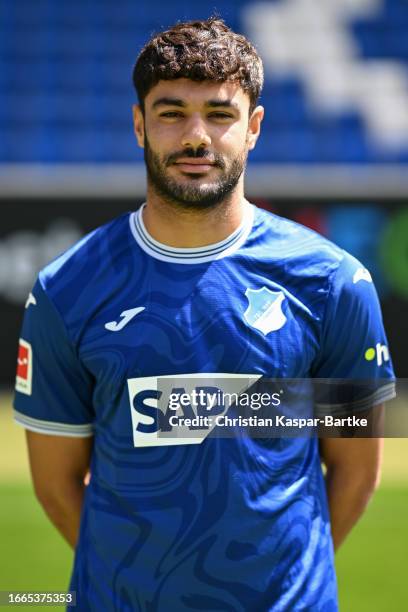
<point x="198" y="93"/>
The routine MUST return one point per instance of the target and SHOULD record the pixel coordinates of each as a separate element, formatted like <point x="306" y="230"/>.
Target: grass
<point x="34" y="555"/>
<point x="371" y="565"/>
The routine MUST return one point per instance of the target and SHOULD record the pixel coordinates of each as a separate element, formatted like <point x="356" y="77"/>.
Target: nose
<point x="195" y="135"/>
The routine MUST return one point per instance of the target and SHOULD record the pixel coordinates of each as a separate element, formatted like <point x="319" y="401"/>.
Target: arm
<point x="353" y="473"/>
<point x="59" y="465"/>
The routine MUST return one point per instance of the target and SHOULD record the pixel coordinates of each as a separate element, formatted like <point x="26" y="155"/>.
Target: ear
<point x="254" y="126"/>
<point x="138" y="124"/>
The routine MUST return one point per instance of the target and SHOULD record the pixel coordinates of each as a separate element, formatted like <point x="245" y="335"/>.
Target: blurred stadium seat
<point x="65" y="77"/>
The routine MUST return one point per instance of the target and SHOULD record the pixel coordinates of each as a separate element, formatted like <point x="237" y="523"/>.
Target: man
<point x="197" y="284"/>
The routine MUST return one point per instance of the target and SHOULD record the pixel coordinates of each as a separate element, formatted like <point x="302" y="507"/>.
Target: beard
<point x="193" y="195"/>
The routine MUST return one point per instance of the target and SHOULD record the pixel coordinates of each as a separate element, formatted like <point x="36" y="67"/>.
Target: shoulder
<point x="301" y="251"/>
<point x="295" y="240"/>
<point x="82" y="261"/>
<point x="310" y="266"/>
<point x="86" y="276"/>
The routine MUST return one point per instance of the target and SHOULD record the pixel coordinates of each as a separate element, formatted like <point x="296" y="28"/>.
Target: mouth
<point x="194" y="166"/>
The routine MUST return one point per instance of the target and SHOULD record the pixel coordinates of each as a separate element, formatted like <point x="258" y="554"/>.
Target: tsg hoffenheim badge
<point x="265" y="309"/>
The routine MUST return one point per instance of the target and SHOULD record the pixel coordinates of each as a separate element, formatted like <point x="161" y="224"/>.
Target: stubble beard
<point x="192" y="195"/>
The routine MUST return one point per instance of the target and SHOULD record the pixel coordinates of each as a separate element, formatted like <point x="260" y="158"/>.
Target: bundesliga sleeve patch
<point x="24" y="367"/>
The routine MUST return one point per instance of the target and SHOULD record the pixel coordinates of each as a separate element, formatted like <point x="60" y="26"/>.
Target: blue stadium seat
<point x="66" y="91"/>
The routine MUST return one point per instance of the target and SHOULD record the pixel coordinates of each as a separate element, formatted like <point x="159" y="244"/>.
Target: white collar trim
<point x="193" y="255"/>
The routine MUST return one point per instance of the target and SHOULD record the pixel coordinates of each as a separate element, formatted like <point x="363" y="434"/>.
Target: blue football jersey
<point x="205" y="522"/>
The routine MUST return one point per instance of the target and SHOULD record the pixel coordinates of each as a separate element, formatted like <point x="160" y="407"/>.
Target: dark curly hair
<point x="205" y="50"/>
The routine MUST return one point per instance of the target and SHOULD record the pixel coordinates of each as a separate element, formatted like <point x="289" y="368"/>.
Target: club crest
<point x="265" y="309"/>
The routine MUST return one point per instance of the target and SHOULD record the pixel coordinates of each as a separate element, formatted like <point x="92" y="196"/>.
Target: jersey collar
<point x="218" y="250"/>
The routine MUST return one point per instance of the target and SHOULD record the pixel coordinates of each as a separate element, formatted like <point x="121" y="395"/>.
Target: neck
<point x="181" y="227"/>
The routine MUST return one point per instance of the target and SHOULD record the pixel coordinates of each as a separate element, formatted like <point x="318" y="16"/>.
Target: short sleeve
<point x="354" y="346"/>
<point x="53" y="389"/>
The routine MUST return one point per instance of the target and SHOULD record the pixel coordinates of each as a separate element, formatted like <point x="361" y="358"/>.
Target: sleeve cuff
<point x="379" y="396"/>
<point x="53" y="428"/>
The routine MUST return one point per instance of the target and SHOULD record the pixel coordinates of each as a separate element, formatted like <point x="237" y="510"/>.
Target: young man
<point x="196" y="284"/>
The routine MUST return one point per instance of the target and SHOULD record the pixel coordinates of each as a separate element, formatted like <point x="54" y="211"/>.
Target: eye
<point x="220" y="115"/>
<point x="171" y="114"/>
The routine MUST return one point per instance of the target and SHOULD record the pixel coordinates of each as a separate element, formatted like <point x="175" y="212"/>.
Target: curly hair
<point x="205" y="50"/>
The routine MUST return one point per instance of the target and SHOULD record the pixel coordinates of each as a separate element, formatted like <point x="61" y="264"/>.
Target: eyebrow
<point x="226" y="103"/>
<point x="165" y="101"/>
<point x="168" y="102"/>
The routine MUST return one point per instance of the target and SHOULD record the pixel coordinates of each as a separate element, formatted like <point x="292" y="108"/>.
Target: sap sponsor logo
<point x="265" y="309"/>
<point x="24" y="367"/>
<point x="155" y="400"/>
<point x="362" y="274"/>
<point x="380" y="352"/>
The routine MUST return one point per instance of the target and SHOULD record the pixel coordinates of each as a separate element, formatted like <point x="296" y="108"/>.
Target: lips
<point x="195" y="161"/>
<point x="194" y="164"/>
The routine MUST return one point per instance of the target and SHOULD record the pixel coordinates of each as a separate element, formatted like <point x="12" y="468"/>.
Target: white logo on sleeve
<point x="362" y="274"/>
<point x="380" y="352"/>
<point x="30" y="300"/>
<point x="126" y="316"/>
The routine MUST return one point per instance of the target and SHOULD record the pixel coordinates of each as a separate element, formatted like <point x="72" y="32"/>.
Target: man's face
<point x="196" y="138"/>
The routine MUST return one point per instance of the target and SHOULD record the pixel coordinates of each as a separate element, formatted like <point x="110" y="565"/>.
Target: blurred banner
<point x="33" y="232"/>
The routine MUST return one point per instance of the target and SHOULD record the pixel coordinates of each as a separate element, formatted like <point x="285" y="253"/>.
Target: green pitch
<point x="34" y="556"/>
<point x="371" y="565"/>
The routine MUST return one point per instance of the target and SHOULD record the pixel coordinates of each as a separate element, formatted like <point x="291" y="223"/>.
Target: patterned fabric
<point x="236" y="523"/>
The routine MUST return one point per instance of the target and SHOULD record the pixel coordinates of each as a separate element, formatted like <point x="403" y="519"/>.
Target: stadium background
<point x="333" y="155"/>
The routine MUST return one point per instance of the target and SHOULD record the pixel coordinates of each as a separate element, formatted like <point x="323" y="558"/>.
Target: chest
<point x="217" y="319"/>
